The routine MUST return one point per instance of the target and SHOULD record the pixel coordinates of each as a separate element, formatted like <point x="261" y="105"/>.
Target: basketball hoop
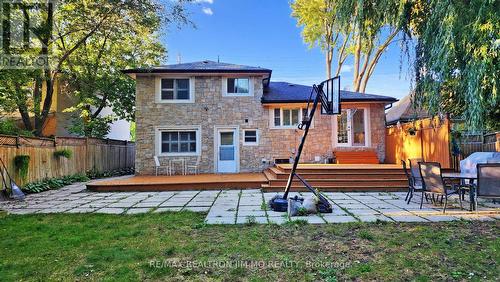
<point x="328" y="95"/>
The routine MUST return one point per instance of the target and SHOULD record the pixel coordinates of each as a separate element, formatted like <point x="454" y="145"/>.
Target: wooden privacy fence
<point x="101" y="155"/>
<point x="431" y="141"/>
<point x="478" y="142"/>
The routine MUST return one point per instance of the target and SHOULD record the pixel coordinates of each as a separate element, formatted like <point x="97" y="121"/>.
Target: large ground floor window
<point x="178" y="141"/>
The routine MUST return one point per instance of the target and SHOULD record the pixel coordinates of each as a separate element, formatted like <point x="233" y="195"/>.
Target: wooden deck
<point x="180" y="182"/>
<point x="325" y="177"/>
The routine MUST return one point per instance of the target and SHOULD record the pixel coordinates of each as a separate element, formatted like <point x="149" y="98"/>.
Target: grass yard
<point x="161" y="247"/>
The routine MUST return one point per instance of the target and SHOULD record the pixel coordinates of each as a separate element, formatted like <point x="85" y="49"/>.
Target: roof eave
<point x="342" y="101"/>
<point x="146" y="71"/>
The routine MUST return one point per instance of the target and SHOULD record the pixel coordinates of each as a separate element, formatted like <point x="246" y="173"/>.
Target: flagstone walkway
<point x="245" y="206"/>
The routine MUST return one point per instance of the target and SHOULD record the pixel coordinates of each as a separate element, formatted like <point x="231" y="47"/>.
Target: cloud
<point x="346" y="68"/>
<point x="207" y="11"/>
<point x="204" y="1"/>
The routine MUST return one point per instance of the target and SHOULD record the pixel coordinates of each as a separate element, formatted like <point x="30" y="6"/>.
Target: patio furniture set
<point x="478" y="178"/>
<point x="176" y="166"/>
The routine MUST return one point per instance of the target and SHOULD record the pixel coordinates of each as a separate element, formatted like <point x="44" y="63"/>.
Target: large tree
<point x="89" y="41"/>
<point x="457" y="65"/>
<point x="362" y="30"/>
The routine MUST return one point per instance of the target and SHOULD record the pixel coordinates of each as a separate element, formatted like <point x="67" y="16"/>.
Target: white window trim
<point x="271" y="118"/>
<point x="160" y="129"/>
<point x="256" y="143"/>
<point x="158" y="98"/>
<point x="250" y="88"/>
<point x="368" y="133"/>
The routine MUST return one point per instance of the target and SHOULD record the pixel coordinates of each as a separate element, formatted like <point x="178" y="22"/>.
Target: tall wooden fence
<point x="431" y="142"/>
<point x="478" y="142"/>
<point x="87" y="153"/>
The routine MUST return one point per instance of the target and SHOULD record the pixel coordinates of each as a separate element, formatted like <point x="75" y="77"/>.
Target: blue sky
<point x="263" y="33"/>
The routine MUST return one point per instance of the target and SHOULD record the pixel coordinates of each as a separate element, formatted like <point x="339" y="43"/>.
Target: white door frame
<point x="349" y="129"/>
<point x="236" y="130"/>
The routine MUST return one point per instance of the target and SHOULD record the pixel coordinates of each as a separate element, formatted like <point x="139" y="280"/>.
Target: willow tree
<point x="360" y="29"/>
<point x="457" y="65"/>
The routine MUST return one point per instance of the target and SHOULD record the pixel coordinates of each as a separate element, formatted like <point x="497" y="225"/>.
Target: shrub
<point x="54" y="183"/>
<point x="21" y="163"/>
<point x="9" y="127"/>
<point x="66" y="153"/>
<point x="94" y="173"/>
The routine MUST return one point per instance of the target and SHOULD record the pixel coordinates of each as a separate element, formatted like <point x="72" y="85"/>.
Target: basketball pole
<point x="280" y="203"/>
<point x="301" y="146"/>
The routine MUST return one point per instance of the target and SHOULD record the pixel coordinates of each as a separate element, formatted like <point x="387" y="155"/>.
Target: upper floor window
<point x="238" y="86"/>
<point x="175" y="90"/>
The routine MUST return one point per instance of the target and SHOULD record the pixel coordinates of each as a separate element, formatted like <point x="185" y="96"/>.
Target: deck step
<point x="355" y="157"/>
<point x="342" y="182"/>
<point x="350" y="176"/>
<point x="338" y="177"/>
<point x="267" y="188"/>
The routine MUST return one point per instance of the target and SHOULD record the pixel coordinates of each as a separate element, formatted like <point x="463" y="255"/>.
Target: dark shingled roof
<point x="284" y="92"/>
<point x="202" y="66"/>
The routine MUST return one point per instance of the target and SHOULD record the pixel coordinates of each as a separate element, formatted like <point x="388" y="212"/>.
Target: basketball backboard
<point x="331" y="90"/>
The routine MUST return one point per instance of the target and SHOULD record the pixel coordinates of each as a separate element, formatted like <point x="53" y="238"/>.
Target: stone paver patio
<point x="245" y="206"/>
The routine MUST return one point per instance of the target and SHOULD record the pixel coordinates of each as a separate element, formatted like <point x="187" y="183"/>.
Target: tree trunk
<point x="373" y="63"/>
<point x="357" y="59"/>
<point x="23" y="110"/>
<point x="329" y="55"/>
<point x="342" y="56"/>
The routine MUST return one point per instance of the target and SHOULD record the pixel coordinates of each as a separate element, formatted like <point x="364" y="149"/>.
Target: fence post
<point x="497" y="143"/>
<point x="126" y="153"/>
<point x="86" y="164"/>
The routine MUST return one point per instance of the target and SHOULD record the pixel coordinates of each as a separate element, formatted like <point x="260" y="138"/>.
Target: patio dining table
<point x="464" y="176"/>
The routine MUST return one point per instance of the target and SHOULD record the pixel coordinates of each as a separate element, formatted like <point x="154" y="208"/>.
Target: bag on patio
<point x="294" y="206"/>
<point x="310" y="204"/>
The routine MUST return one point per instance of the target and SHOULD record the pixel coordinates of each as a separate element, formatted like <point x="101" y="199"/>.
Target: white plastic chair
<point x="158" y="167"/>
<point x="194" y="167"/>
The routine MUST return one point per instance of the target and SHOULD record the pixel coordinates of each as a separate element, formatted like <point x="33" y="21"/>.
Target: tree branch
<point x="378" y="54"/>
<point x="342" y="56"/>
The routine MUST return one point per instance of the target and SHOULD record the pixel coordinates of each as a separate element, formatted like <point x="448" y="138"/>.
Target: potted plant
<point x="21" y="163"/>
<point x="63" y="153"/>
<point x="412" y="131"/>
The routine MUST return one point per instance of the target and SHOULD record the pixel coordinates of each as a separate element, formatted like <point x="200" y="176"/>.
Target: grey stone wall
<point x="211" y="110"/>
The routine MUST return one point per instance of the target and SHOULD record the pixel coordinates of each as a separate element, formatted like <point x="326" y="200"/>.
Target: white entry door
<point x="227" y="150"/>
<point x="352" y="128"/>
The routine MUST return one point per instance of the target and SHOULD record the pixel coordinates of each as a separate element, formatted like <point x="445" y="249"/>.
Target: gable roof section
<point x="403" y="111"/>
<point x="284" y="92"/>
<point x="200" y="67"/>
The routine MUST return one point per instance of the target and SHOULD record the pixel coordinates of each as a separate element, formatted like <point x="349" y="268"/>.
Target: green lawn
<point x="124" y="247"/>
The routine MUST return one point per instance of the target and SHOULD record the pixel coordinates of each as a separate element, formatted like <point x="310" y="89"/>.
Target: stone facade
<point x="211" y="110"/>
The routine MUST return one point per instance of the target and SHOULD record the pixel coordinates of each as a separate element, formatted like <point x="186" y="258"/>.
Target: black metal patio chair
<point x="488" y="182"/>
<point x="412" y="187"/>
<point x="434" y="184"/>
<point x="415" y="171"/>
